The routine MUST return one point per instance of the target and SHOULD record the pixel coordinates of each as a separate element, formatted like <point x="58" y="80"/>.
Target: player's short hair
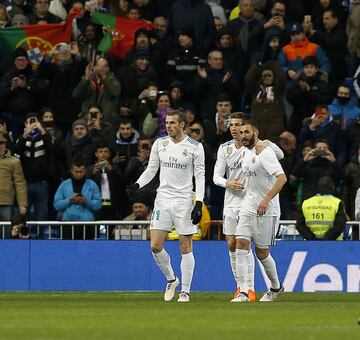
<point x="252" y="124"/>
<point x="238" y="115"/>
<point x="179" y="113"/>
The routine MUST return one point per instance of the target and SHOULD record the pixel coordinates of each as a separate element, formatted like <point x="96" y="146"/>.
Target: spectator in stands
<point x="4" y="17"/>
<point x="126" y="142"/>
<point x="13" y="185"/>
<point x="118" y="8"/>
<point x="133" y="12"/>
<point x="307" y="91"/>
<point x="62" y="69"/>
<point x="322" y="126"/>
<point x="351" y="183"/>
<point x="19" y="20"/>
<point x="19" y="229"/>
<point x="78" y="198"/>
<point x="100" y="131"/>
<point x="4" y="132"/>
<point x="80" y="146"/>
<point x="219" y="24"/>
<point x="88" y="43"/>
<point x="41" y="14"/>
<point x="319" y="162"/>
<point x="287" y="143"/>
<point x="20" y="90"/>
<point x="332" y="38"/>
<point x="352" y="134"/>
<point x="322" y="216"/>
<point x="322" y="6"/>
<point x="292" y="55"/>
<point x="82" y="18"/>
<point x="342" y="109"/>
<point x="141" y="205"/>
<point x="109" y="179"/>
<point x="99" y="86"/>
<point x="198" y="14"/>
<point x="217" y="128"/>
<point x="266" y="84"/>
<point x="18" y="7"/>
<point x="136" y="77"/>
<point x="271" y="47"/>
<point x="213" y="80"/>
<point x="234" y="57"/>
<point x="34" y="148"/>
<point x="164" y="38"/>
<point x="176" y="93"/>
<point x="154" y="123"/>
<point x="353" y="29"/>
<point x="149" y="9"/>
<point x="183" y="60"/>
<point x="246" y="29"/>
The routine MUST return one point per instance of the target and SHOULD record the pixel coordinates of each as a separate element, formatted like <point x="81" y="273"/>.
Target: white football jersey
<point x="229" y="162"/>
<point x="178" y="163"/>
<point x="260" y="172"/>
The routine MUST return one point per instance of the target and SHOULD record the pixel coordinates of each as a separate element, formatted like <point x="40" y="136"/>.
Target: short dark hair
<point x="18" y="219"/>
<point x="180" y="114"/>
<point x="102" y="146"/>
<point x="223" y="97"/>
<point x="252" y="123"/>
<point x="321" y="140"/>
<point x="77" y="162"/>
<point x="95" y="106"/>
<point x="30" y="115"/>
<point x="125" y="121"/>
<point x="326" y="185"/>
<point x="322" y="106"/>
<point x="238" y="115"/>
<point x="334" y="13"/>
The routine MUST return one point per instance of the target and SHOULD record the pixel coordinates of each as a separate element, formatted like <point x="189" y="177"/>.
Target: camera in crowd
<point x="63" y="47"/>
<point x="321" y="153"/>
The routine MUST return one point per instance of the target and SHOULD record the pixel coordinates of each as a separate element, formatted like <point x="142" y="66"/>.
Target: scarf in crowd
<point x="244" y="33"/>
<point x="265" y="94"/>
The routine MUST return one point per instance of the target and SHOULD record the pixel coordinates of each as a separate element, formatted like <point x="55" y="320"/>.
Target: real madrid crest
<point x="253" y="159"/>
<point x="185" y="153"/>
<point x="165" y="144"/>
<point x="229" y="150"/>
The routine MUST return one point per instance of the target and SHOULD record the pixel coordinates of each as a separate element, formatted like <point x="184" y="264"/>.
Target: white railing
<point x="102" y="229"/>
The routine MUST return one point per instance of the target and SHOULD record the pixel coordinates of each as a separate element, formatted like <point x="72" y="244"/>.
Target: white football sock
<point x="251" y="269"/>
<point x="232" y="255"/>
<point x="162" y="259"/>
<point x="270" y="270"/>
<point x="242" y="269"/>
<point x="187" y="266"/>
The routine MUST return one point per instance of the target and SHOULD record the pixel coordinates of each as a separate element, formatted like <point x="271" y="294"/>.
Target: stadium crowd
<point x="77" y="125"/>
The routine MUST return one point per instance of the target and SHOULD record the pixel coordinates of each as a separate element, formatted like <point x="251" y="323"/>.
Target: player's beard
<point x="249" y="143"/>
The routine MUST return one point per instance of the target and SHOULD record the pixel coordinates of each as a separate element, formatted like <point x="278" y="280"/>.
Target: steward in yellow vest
<point x="322" y="216"/>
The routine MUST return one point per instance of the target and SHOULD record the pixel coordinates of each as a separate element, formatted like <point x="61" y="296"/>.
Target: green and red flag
<point x="37" y="40"/>
<point x="119" y="33"/>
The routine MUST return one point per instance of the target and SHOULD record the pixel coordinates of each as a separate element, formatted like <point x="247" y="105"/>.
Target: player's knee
<point x="156" y="248"/>
<point x="231" y="243"/>
<point x="242" y="243"/>
<point x="261" y="254"/>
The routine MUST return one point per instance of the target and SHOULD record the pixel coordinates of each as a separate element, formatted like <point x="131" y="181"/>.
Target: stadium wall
<point x="53" y="265"/>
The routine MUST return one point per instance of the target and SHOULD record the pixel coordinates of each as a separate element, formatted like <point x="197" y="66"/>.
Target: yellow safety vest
<point x="320" y="212"/>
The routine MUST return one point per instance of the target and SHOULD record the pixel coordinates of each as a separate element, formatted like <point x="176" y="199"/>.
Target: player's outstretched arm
<point x="219" y="169"/>
<point x="199" y="172"/>
<point x="280" y="182"/>
<point x="152" y="168"/>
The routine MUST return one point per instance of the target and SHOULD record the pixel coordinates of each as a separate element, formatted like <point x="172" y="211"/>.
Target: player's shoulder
<point x="191" y="141"/>
<point x="162" y="140"/>
<point x="227" y="144"/>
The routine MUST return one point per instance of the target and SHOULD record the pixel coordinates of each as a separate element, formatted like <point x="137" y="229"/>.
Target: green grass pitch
<point x="144" y="315"/>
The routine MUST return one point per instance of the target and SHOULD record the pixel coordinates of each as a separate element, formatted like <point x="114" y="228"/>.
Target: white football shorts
<point x="261" y="229"/>
<point x="169" y="213"/>
<point x="230" y="220"/>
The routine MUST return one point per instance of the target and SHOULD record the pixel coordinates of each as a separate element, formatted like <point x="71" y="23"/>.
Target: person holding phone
<point x="101" y="132"/>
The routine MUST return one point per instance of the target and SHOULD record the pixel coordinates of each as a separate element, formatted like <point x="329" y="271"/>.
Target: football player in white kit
<point x="180" y="158"/>
<point x="229" y="161"/>
<point x="260" y="212"/>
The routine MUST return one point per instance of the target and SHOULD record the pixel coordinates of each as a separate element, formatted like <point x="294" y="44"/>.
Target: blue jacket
<point x="346" y="114"/>
<point x="78" y="212"/>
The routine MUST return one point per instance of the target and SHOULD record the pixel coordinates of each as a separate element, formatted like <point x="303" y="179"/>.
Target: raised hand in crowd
<point x="19" y="81"/>
<point x="89" y="72"/>
<point x="202" y="72"/>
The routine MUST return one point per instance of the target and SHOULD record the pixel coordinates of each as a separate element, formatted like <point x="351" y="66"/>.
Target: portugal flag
<point x="119" y="33"/>
<point x="37" y="40"/>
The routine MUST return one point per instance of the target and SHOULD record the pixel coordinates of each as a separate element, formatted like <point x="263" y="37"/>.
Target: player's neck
<point x="238" y="143"/>
<point x="179" y="138"/>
